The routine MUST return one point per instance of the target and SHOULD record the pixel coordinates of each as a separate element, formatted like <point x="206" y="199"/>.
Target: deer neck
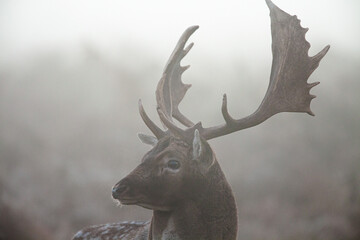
<point x="210" y="215"/>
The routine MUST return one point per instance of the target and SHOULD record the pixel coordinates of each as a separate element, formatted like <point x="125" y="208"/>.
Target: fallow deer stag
<point x="180" y="178"/>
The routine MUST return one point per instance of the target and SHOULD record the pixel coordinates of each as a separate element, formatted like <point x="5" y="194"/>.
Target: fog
<point x="71" y="74"/>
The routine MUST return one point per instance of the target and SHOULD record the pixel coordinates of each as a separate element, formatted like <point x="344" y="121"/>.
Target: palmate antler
<point x="288" y="89"/>
<point x="171" y="90"/>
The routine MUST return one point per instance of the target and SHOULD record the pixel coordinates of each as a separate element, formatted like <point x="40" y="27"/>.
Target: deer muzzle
<point x="119" y="190"/>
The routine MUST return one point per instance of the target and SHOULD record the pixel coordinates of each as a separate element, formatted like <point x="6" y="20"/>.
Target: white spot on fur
<point x="78" y="234"/>
<point x="117" y="202"/>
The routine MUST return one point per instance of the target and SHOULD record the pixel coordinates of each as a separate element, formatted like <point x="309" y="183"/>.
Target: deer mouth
<point x="128" y="201"/>
<point x="131" y="201"/>
<point x="153" y="207"/>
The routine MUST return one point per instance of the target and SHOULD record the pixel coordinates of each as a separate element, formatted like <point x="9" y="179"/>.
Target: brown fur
<point x="194" y="203"/>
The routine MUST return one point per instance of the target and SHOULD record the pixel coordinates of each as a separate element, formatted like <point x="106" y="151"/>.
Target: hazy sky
<point x="225" y="26"/>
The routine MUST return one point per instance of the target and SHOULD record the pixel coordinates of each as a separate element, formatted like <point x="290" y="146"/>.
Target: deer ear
<point x="197" y="145"/>
<point x="202" y="153"/>
<point x="147" y="139"/>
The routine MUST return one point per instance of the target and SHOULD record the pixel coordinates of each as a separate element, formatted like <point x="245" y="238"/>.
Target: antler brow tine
<point x="150" y="124"/>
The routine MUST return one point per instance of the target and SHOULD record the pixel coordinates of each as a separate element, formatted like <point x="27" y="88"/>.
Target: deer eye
<point x="173" y="164"/>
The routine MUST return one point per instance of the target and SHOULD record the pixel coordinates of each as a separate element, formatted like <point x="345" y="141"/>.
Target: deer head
<point x="172" y="172"/>
<point x="181" y="167"/>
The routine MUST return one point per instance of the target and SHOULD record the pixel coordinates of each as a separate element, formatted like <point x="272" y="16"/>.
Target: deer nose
<point x="119" y="189"/>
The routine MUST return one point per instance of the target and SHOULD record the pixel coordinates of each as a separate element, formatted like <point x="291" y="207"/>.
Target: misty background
<point x="71" y="74"/>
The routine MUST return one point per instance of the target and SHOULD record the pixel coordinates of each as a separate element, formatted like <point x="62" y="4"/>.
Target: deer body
<point x="179" y="179"/>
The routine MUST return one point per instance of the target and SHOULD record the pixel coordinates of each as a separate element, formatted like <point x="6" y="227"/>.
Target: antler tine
<point x="171" y="90"/>
<point x="170" y="125"/>
<point x="224" y="110"/>
<point x="288" y="89"/>
<point x="150" y="124"/>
